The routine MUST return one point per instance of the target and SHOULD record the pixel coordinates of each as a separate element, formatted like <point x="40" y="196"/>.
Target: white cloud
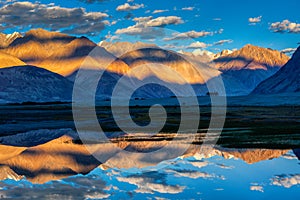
<point x="192" y="174"/>
<point x="199" y="164"/>
<point x="254" y="20"/>
<point x="217" y="19"/>
<point x="197" y="45"/>
<point x="97" y="195"/>
<point x="189" y="34"/>
<point x="163" y="21"/>
<point x="285" y="27"/>
<point x="220" y="31"/>
<point x="188" y="8"/>
<point x="257" y="188"/>
<point x="173" y="46"/>
<point x="286" y="181"/>
<point x="130" y="30"/>
<point x="200" y="52"/>
<point x="111" y="37"/>
<point x="159" y="11"/>
<point x="72" y="20"/>
<point x="143" y="32"/>
<point x="143" y="26"/>
<point x="148" y="185"/>
<point x="221" y="42"/>
<point x="142" y="19"/>
<point x="128" y="7"/>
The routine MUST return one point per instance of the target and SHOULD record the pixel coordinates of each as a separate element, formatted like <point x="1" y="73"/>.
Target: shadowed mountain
<point x="56" y="52"/>
<point x="154" y="69"/>
<point x="286" y="80"/>
<point x="244" y="69"/>
<point x="192" y="72"/>
<point x="29" y="83"/>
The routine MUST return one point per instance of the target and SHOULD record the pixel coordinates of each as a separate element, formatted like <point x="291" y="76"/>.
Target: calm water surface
<point x="257" y="157"/>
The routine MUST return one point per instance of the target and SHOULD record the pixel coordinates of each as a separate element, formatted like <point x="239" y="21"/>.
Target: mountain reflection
<point x="62" y="157"/>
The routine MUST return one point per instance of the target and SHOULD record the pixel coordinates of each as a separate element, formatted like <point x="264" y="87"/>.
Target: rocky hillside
<point x="29" y="83"/>
<point x="286" y="80"/>
<point x="7" y="39"/>
<point x="56" y="52"/>
<point x="244" y="69"/>
<point x="252" y="58"/>
<point x="7" y="60"/>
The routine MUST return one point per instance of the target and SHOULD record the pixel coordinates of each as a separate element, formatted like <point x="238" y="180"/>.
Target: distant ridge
<point x="251" y="57"/>
<point x="244" y="69"/>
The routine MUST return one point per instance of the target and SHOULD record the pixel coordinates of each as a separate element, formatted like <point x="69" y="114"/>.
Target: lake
<point x="256" y="156"/>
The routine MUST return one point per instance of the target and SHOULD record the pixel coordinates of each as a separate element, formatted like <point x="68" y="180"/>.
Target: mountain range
<point x="62" y="55"/>
<point x="242" y="70"/>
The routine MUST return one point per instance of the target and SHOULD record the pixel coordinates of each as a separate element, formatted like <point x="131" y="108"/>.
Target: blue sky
<point x="223" y="24"/>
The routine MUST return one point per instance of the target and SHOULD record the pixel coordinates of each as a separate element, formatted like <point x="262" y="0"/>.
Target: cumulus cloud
<point x="189" y="34"/>
<point x="188" y="8"/>
<point x="257" y="188"/>
<point x="151" y="182"/>
<point x="254" y="20"/>
<point x="193" y="174"/>
<point x="142" y="19"/>
<point x="143" y="26"/>
<point x="131" y="30"/>
<point x="173" y="46"/>
<point x="128" y="7"/>
<point x="111" y="37"/>
<point x="197" y="45"/>
<point x="286" y="181"/>
<point x="71" y="20"/>
<point x="159" y="11"/>
<point x="199" y="164"/>
<point x="87" y="187"/>
<point x="163" y="21"/>
<point x="221" y="42"/>
<point x="285" y="27"/>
